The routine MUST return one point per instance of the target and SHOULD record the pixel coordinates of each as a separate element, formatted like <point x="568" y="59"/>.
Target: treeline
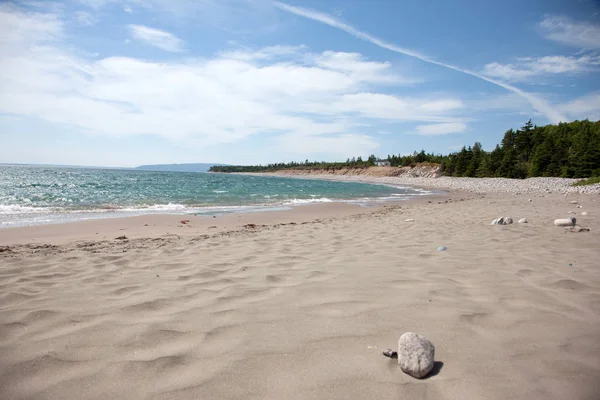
<point x="350" y="163"/>
<point x="570" y="150"/>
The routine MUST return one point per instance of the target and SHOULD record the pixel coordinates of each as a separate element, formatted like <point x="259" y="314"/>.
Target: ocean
<point x="33" y="195"/>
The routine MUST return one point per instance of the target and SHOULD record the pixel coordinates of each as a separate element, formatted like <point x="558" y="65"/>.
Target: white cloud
<point x="587" y="106"/>
<point x="573" y="33"/>
<point x="157" y="38"/>
<point x="128" y="10"/>
<point x="389" y="107"/>
<point x="441" y="129"/>
<point x="85" y="18"/>
<point x="543" y="66"/>
<point x="266" y="53"/>
<point x="95" y="4"/>
<point x="536" y="102"/>
<point x="18" y="29"/>
<point x="297" y="100"/>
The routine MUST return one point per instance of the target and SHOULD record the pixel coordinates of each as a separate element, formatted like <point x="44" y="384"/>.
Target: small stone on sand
<point x="502" y="221"/>
<point x="576" y="229"/>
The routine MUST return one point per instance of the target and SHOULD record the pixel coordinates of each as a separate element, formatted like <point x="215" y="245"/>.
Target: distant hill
<point x="195" y="167"/>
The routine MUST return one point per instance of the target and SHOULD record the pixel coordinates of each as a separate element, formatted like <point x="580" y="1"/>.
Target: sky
<point x="130" y="82"/>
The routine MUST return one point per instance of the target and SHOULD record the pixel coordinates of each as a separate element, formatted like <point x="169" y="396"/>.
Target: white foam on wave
<point x="310" y="201"/>
<point x="10" y="209"/>
<point x="155" y="207"/>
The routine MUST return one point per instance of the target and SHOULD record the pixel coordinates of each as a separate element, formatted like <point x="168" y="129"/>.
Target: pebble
<point x="523" y="221"/>
<point x="410" y="220"/>
<point x="584" y="213"/>
<point x="573" y="202"/>
<point x="502" y="221"/>
<point x="576" y="229"/>
<point x="530" y="186"/>
<point x="442" y="248"/>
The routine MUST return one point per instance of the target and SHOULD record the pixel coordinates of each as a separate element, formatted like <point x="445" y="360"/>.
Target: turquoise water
<point x="36" y="195"/>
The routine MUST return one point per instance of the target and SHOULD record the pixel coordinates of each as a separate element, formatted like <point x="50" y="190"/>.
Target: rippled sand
<point x="304" y="310"/>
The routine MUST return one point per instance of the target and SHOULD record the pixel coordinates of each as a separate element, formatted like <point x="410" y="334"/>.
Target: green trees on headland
<point x="570" y="150"/>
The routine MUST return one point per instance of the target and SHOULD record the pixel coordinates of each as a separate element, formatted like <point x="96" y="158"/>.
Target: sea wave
<point x="310" y="201"/>
<point x="10" y="209"/>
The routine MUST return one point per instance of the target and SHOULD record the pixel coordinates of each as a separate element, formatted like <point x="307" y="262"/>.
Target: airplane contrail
<point x="537" y="103"/>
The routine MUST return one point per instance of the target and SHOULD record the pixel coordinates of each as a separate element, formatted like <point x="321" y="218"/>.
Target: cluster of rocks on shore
<point x="502" y="185"/>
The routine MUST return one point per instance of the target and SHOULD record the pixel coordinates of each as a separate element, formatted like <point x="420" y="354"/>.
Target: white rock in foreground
<point x="415" y="354"/>
<point x="523" y="221"/>
<point x="565" y="221"/>
<point x="502" y="221"/>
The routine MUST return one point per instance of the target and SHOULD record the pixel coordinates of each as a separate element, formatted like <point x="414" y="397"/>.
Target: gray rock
<point x="502" y="221"/>
<point x="573" y="202"/>
<point x="442" y="248"/>
<point x="523" y="221"/>
<point x="415" y="354"/>
<point x="577" y="229"/>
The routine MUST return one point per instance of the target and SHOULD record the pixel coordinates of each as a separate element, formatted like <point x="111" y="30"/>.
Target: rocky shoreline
<point x="533" y="186"/>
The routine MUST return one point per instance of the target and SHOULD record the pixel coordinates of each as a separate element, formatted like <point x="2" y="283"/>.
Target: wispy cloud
<point x="85" y="18"/>
<point x="537" y="103"/>
<point x="550" y="65"/>
<point x="301" y="101"/>
<point x="95" y="4"/>
<point x="157" y="38"/>
<point x="266" y="53"/>
<point x="584" y="107"/>
<point x="441" y="129"/>
<point x="565" y="30"/>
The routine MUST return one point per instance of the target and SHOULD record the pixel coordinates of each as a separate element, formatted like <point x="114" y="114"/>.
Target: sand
<point x="302" y="307"/>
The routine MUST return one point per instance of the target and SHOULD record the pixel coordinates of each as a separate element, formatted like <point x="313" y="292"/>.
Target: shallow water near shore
<point x="33" y="195"/>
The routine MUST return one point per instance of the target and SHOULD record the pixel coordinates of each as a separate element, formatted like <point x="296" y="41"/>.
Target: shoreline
<point x="535" y="186"/>
<point x="48" y="216"/>
<point x="158" y="225"/>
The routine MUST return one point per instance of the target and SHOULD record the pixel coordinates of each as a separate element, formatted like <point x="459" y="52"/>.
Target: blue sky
<point x="123" y="83"/>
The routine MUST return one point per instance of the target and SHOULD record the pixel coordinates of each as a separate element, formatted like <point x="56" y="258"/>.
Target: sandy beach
<point x="300" y="305"/>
